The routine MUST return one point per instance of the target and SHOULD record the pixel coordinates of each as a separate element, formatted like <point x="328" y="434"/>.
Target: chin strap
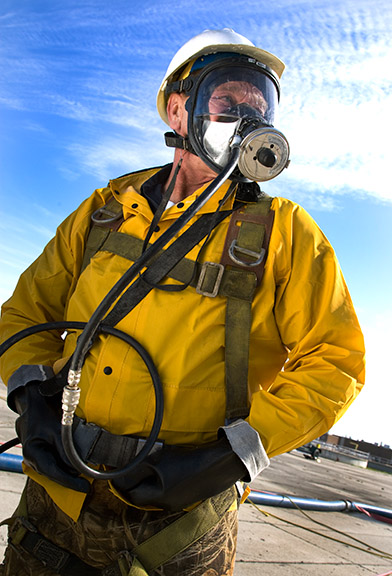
<point x="174" y="140"/>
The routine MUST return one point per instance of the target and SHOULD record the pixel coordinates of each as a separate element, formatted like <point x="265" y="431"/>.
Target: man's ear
<point x="176" y="113"/>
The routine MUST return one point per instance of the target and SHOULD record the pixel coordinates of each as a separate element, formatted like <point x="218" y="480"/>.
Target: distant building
<point x="380" y="457"/>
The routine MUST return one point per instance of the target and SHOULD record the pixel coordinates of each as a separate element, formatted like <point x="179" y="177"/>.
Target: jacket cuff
<point x="246" y="443"/>
<point x="23" y="376"/>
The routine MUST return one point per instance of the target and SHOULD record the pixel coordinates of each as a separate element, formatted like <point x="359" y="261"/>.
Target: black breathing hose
<point x="71" y="392"/>
<point x="156" y="381"/>
<point x="66" y="431"/>
<point x="93" y="327"/>
<point x="87" y="335"/>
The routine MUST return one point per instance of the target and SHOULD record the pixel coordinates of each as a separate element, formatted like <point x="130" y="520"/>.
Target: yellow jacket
<point x="306" y="347"/>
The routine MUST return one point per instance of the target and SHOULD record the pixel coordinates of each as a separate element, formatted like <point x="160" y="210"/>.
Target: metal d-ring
<point x="259" y="256"/>
<point x="104" y="211"/>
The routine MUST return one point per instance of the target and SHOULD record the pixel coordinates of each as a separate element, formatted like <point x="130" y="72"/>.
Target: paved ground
<point x="285" y="542"/>
<point x="289" y="543"/>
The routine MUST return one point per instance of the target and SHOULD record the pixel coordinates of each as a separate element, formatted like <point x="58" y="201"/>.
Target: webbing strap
<point x="184" y="532"/>
<point x="107" y="218"/>
<point x="233" y="283"/>
<point x="24" y="534"/>
<point x="248" y="236"/>
<point x="56" y="558"/>
<point x="148" y="555"/>
<point x="136" y="569"/>
<point x="238" y="323"/>
<point x="98" y="446"/>
<point x="246" y="247"/>
<point x="96" y="238"/>
<point x="241" y="270"/>
<point x="162" y="265"/>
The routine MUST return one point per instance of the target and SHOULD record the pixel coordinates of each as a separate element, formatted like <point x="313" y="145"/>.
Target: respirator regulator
<point x="236" y="96"/>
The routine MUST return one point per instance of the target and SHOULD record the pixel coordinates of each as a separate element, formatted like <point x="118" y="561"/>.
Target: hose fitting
<point x="71" y="397"/>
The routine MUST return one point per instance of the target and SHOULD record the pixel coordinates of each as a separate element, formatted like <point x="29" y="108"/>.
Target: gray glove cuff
<point x="22" y="376"/>
<point x="246" y="443"/>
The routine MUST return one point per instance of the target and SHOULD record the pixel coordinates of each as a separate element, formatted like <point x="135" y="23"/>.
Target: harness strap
<point x="23" y="533"/>
<point x="107" y="218"/>
<point x="147" y="556"/>
<point x="98" y="446"/>
<point x="246" y="247"/>
<point x="184" y="531"/>
<point x="162" y="265"/>
<point x="248" y="236"/>
<point x="236" y="277"/>
<point x="55" y="557"/>
<point x="232" y="282"/>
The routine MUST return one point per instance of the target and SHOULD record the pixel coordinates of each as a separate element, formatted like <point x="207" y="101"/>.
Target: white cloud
<point x="336" y="99"/>
<point x="336" y="103"/>
<point x="97" y="67"/>
<point x="369" y="416"/>
<point x="110" y="157"/>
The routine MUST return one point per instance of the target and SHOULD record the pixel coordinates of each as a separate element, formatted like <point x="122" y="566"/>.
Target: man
<point x="253" y="335"/>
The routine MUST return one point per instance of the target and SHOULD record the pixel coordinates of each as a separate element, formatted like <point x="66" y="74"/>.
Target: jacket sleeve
<point x="41" y="296"/>
<point x="318" y="327"/>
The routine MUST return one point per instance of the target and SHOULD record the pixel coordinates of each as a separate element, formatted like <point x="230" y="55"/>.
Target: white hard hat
<point x="210" y="42"/>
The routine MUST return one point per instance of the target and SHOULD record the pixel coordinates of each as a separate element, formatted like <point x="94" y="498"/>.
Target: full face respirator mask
<point x="233" y="95"/>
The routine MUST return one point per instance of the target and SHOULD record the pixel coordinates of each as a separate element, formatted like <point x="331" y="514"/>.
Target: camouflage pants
<point x="108" y="526"/>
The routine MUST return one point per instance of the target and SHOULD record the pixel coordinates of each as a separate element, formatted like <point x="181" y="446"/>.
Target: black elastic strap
<point x="173" y="140"/>
<point x="98" y="446"/>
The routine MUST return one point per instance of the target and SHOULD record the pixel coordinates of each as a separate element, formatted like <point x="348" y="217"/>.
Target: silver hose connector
<point x="71" y="397"/>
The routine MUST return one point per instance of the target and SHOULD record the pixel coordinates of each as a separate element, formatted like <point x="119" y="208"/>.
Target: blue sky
<point x="77" y="107"/>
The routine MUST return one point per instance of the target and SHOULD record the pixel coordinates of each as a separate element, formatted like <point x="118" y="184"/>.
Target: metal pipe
<point x="268" y="499"/>
<point x="11" y="463"/>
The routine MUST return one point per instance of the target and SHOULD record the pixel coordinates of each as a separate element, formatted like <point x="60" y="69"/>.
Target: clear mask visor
<point x="225" y="97"/>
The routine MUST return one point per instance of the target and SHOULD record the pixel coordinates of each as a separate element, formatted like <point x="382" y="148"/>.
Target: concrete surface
<point x="275" y="541"/>
<point x="290" y="542"/>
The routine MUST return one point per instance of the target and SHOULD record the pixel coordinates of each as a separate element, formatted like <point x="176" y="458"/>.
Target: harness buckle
<point x="19" y="529"/>
<point x="259" y="256"/>
<point x="157" y="446"/>
<point x="27" y="536"/>
<point x="204" y="283"/>
<point x="27" y="524"/>
<point x="121" y="566"/>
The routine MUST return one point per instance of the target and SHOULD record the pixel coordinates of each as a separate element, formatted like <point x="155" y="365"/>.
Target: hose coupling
<point x="71" y="397"/>
<point x="74" y="378"/>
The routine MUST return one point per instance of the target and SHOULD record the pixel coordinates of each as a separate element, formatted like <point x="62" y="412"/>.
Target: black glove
<point x="39" y="430"/>
<point x="176" y="477"/>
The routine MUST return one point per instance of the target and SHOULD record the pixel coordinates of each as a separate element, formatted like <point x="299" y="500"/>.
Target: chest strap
<point x="209" y="279"/>
<point x="236" y="278"/>
<point x="162" y="264"/>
